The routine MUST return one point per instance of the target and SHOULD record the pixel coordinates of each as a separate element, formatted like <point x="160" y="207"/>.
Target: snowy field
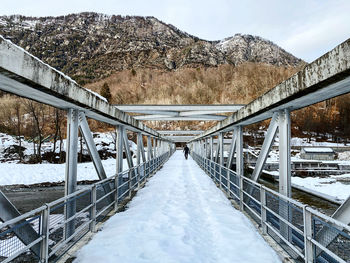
<point x="179" y="216"/>
<point x="12" y="173"/>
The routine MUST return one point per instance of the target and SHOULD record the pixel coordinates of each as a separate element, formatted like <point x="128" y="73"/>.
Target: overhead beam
<point x="179" y="138"/>
<point x="180" y="132"/>
<point x="183" y="107"/>
<point x="325" y="78"/>
<point x="189" y="118"/>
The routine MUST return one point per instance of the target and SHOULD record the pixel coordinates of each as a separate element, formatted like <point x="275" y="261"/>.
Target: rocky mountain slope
<point x="91" y="46"/>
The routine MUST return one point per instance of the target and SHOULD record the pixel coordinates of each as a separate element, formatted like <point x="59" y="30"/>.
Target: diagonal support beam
<point x="325" y="236"/>
<point x="149" y="148"/>
<point x="85" y="131"/>
<point x="25" y="233"/>
<point x="217" y="151"/>
<point x="127" y="149"/>
<point x="232" y="149"/>
<point x="266" y="147"/>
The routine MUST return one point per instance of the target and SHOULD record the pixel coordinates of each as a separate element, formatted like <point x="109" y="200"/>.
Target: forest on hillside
<point x="225" y="84"/>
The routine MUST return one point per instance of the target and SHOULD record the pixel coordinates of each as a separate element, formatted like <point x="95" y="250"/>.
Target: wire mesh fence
<point x="304" y="233"/>
<point x="48" y="232"/>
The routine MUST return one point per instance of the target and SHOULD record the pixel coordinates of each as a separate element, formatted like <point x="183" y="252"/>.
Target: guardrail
<point x="297" y="228"/>
<point x="92" y="204"/>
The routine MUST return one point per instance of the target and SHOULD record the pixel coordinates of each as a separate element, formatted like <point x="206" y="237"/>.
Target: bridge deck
<point x="179" y="216"/>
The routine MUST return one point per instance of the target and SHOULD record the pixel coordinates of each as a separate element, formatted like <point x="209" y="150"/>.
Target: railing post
<point x="93" y="209"/>
<point x="138" y="158"/>
<point x="263" y="209"/>
<point x="308" y="246"/>
<point x="239" y="163"/>
<point x="241" y="194"/>
<point x="44" y="247"/>
<point x="116" y="193"/>
<point x="221" y="153"/>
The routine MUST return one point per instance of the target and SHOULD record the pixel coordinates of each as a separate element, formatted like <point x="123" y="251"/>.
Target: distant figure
<point x="186" y="151"/>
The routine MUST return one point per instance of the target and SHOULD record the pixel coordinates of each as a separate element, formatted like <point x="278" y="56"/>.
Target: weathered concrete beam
<point x="26" y="76"/>
<point x="206" y="117"/>
<point x="325" y="78"/>
<point x="183" y="107"/>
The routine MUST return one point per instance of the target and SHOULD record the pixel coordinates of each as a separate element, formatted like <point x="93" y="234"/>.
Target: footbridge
<point x="203" y="226"/>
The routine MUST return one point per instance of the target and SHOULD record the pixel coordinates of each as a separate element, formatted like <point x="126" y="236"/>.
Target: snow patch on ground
<point x="179" y="216"/>
<point x="337" y="186"/>
<point x="12" y="173"/>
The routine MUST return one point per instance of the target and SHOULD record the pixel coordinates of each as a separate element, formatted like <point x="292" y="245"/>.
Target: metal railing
<point x="92" y="204"/>
<point x="296" y="227"/>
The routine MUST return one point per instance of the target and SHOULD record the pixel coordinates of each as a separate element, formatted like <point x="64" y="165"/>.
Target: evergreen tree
<point x="105" y="92"/>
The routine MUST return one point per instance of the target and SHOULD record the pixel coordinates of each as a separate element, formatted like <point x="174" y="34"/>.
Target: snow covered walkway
<point x="179" y="216"/>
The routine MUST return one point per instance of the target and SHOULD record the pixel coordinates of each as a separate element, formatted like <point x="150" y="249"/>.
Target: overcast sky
<point x="306" y="28"/>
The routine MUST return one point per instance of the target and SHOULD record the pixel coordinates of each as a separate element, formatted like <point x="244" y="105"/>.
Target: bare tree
<point x="38" y="114"/>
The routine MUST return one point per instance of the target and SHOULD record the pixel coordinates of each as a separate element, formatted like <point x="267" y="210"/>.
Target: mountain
<point x="91" y="46"/>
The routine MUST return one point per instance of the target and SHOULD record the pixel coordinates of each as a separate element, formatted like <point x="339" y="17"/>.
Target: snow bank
<point x="12" y="173"/>
<point x="180" y="216"/>
<point x="332" y="185"/>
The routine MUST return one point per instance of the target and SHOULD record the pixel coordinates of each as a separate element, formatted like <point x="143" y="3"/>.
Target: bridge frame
<point x="26" y="76"/>
<point x="325" y="78"/>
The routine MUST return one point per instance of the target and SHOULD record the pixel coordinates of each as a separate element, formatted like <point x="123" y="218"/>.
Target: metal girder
<point x="217" y="151"/>
<point x="179" y="132"/>
<point x="26" y="76"/>
<point x="285" y="187"/>
<point x="325" y="236"/>
<point x="149" y="148"/>
<point x="284" y="153"/>
<point x="127" y="149"/>
<point x="239" y="151"/>
<point x="25" y="233"/>
<point x="265" y="149"/>
<point x="221" y="147"/>
<point x="232" y="149"/>
<point x="325" y="78"/>
<point x="207" y="148"/>
<point x="182" y="107"/>
<point x="140" y="147"/>
<point x="180" y="112"/>
<point x="96" y="160"/>
<point x="207" y="117"/>
<point x="212" y="148"/>
<point x="85" y="131"/>
<point x="179" y="138"/>
<point x="119" y="155"/>
<point x="71" y="168"/>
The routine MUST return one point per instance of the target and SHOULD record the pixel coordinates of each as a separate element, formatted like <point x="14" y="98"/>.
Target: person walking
<point x="186" y="151"/>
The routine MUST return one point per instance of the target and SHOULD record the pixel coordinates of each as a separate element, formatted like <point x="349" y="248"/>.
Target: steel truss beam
<point x="26" y="232"/>
<point x="266" y="147"/>
<point x="180" y="112"/>
<point x="191" y="132"/>
<point x="232" y="149"/>
<point x="89" y="140"/>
